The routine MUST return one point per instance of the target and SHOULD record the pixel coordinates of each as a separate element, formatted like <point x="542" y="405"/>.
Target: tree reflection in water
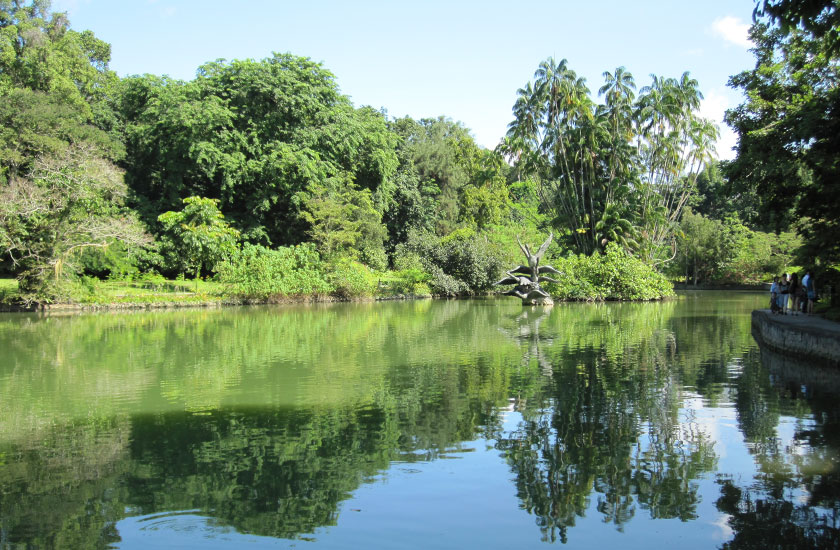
<point x="793" y="503"/>
<point x="607" y="428"/>
<point x="200" y="411"/>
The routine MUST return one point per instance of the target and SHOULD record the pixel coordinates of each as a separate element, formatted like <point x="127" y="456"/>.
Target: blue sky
<point x="462" y="59"/>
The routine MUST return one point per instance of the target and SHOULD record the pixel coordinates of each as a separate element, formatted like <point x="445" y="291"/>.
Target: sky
<point x="461" y="59"/>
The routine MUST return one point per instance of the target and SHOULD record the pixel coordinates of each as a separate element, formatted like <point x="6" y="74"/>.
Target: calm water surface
<point x="431" y="424"/>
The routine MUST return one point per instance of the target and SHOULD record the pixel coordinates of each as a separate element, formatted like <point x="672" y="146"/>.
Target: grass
<point x="8" y="289"/>
<point x="150" y="290"/>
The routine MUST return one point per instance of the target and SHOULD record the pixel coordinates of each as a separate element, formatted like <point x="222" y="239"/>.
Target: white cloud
<point x="726" y="143"/>
<point x="733" y="30"/>
<point x="714" y="105"/>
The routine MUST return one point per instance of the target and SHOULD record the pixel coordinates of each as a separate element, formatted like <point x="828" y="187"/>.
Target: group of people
<point x="789" y="295"/>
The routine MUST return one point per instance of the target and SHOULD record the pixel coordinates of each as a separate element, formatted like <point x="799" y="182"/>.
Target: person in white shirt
<point x="774" y="296"/>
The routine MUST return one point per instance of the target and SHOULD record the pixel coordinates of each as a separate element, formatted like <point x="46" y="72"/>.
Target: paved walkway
<point x="803" y="336"/>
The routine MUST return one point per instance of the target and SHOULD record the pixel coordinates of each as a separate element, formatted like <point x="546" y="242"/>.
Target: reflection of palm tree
<point x="608" y="432"/>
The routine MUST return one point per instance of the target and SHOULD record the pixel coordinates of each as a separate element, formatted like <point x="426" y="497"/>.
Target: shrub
<point x="406" y="258"/>
<point x="615" y="275"/>
<point x="411" y="281"/>
<point x="351" y="279"/>
<point x="463" y="262"/>
<point x="261" y="273"/>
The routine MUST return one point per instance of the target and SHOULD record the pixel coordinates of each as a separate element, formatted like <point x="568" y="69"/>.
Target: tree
<point x="445" y="158"/>
<point x="54" y="87"/>
<point x="257" y="136"/>
<point x="345" y="223"/>
<point x="67" y="203"/>
<point x="197" y="237"/>
<point x="34" y="123"/>
<point x="789" y="125"/>
<point x="39" y="51"/>
<point x="713" y="250"/>
<point x="601" y="168"/>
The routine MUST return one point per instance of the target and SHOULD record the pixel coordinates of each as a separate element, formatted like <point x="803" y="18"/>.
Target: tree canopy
<point x="619" y="171"/>
<point x="789" y="125"/>
<point x="257" y="136"/>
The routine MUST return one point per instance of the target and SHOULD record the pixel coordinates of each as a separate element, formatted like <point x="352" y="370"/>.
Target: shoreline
<point x="70" y="307"/>
<point x="806" y="338"/>
<point x="197" y="304"/>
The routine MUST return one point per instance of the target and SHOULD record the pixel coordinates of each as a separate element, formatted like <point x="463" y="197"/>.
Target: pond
<point x="433" y="424"/>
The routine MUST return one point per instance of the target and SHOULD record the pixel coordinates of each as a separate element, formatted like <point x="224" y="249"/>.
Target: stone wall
<point x="805" y="338"/>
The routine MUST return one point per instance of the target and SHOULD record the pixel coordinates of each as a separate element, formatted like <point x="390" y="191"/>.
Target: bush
<point x="463" y="262"/>
<point x="411" y="281"/>
<point x="614" y="275"/>
<point x="351" y="279"/>
<point x="260" y="273"/>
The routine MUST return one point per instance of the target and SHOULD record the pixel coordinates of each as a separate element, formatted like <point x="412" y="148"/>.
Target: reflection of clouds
<point x="709" y="421"/>
<point x="725" y="532"/>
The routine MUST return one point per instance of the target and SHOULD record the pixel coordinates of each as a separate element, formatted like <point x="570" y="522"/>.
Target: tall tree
<point x="257" y="135"/>
<point x="445" y="158"/>
<point x="618" y="171"/>
<point x="54" y="87"/>
<point x="789" y="125"/>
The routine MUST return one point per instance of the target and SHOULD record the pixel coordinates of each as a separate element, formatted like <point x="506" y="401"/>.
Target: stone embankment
<point x="806" y="338"/>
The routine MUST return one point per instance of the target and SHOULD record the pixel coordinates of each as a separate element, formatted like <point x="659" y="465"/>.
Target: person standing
<point x="783" y="293"/>
<point x="793" y="292"/>
<point x="774" y="295"/>
<point x="810" y="291"/>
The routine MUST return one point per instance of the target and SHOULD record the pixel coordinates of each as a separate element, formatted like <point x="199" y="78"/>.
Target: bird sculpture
<point x="527" y="278"/>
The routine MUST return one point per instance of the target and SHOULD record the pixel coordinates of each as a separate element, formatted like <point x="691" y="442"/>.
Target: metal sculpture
<point x="527" y="278"/>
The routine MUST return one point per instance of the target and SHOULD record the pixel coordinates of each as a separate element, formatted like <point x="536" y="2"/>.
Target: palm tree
<point x="601" y="168"/>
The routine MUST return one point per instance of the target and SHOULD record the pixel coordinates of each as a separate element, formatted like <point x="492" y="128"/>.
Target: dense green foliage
<point x="727" y="251"/>
<point x="618" y="172"/>
<point x="789" y="124"/>
<point x="256" y="135"/>
<point x="615" y="275"/>
<point x="262" y="273"/>
<point x="269" y="153"/>
<point x="197" y="237"/>
<point x="463" y="262"/>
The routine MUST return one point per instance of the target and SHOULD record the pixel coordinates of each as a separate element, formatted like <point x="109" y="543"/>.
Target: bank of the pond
<point x="756" y="287"/>
<point x="808" y="338"/>
<point x="155" y="302"/>
<point x="195" y="303"/>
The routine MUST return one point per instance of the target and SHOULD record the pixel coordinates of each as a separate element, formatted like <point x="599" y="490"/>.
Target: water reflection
<point x="607" y="425"/>
<point x="793" y="502"/>
<point x="269" y="422"/>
